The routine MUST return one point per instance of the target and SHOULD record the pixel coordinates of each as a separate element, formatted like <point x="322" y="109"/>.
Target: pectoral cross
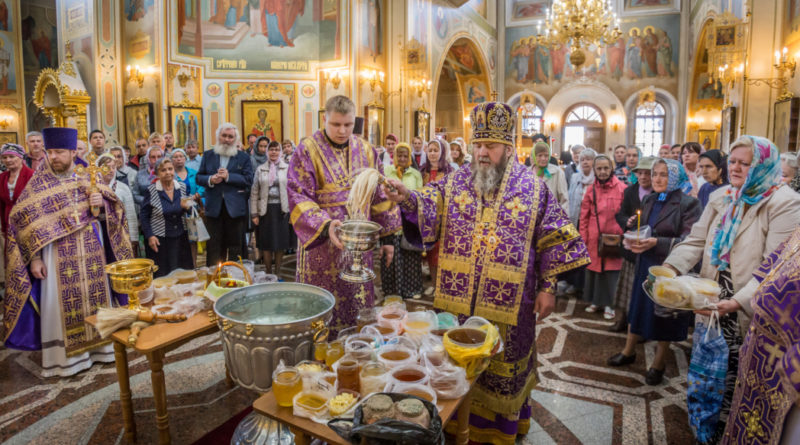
<point x="463" y="200"/>
<point x="516" y="206"/>
<point x="92" y="170"/>
<point x="76" y="215"/>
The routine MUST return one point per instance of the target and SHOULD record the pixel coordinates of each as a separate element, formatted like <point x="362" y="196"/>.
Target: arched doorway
<point x="584" y="124"/>
<point x="463" y="82"/>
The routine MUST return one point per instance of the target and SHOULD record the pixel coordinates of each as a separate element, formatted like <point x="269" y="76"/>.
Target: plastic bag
<point x="450" y="383"/>
<point x="474" y="356"/>
<point x="706" y="377"/>
<point x="447" y="320"/>
<point x="424" y="392"/>
<point x="197" y="231"/>
<point x="190" y="306"/>
<point x="390" y="431"/>
<point x="263" y="277"/>
<point x="448" y="380"/>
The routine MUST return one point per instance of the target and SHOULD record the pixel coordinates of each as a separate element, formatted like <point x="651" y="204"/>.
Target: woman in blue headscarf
<point x="670" y="213"/>
<point x="741" y="225"/>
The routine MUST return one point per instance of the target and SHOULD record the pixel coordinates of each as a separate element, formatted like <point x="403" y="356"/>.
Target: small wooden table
<point x="154" y="341"/>
<point x="304" y="429"/>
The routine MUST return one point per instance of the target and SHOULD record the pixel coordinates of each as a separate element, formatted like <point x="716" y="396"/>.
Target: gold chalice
<point x="130" y="277"/>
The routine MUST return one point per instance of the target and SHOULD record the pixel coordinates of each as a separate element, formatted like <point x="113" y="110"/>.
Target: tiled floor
<point x="579" y="400"/>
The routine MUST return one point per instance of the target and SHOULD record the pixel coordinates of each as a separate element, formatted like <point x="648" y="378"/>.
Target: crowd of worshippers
<point x="715" y="214"/>
<point x="239" y="191"/>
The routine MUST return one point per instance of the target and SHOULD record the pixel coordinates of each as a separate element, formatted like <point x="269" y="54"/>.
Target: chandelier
<point x="580" y="23"/>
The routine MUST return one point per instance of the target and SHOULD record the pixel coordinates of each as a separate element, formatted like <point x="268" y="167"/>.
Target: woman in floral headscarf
<point x="404" y="275"/>
<point x="741" y="225"/>
<point x="670" y="214"/>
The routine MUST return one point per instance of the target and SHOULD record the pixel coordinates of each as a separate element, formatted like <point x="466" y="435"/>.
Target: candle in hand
<point x="638" y="223"/>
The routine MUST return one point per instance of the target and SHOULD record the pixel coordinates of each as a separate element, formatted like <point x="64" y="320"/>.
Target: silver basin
<point x="265" y="323"/>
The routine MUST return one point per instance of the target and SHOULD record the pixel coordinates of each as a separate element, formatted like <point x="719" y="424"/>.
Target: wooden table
<point x="304" y="429"/>
<point x="154" y="342"/>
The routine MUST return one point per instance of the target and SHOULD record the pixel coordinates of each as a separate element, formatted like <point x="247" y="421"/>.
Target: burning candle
<point x="219" y="274"/>
<point x="638" y="223"/>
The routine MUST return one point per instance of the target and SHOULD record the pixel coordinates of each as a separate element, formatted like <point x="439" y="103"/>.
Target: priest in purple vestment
<point x="766" y="401"/>
<point x="503" y="238"/>
<point x="56" y="254"/>
<point x="320" y="176"/>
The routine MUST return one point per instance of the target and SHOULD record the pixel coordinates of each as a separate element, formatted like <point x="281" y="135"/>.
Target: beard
<point x="228" y="150"/>
<point x="487" y="179"/>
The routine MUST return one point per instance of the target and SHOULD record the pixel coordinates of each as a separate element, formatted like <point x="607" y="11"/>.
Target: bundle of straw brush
<point x="110" y="320"/>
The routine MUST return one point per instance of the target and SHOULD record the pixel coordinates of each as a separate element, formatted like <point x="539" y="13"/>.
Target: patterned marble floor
<point x="580" y="400"/>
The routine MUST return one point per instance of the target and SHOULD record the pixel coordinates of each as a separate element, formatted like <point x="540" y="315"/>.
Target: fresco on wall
<point x="282" y="36"/>
<point x="526" y="12"/>
<point x="39" y="51"/>
<point x="39" y="36"/>
<point x="420" y="10"/>
<point x="372" y="19"/>
<point x="645" y="54"/>
<point x="479" y="6"/>
<point x="8" y="67"/>
<point x="138" y="29"/>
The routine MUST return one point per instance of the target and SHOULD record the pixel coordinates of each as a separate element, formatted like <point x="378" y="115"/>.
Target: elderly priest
<point x="56" y="254"/>
<point x="504" y="238"/>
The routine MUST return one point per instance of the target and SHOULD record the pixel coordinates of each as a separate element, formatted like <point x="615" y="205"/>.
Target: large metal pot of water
<point x="265" y="323"/>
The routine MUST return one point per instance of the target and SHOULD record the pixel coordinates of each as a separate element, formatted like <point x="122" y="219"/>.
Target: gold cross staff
<point x="92" y="170"/>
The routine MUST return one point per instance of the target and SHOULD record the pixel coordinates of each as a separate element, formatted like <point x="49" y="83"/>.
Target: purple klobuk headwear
<point x="59" y="137"/>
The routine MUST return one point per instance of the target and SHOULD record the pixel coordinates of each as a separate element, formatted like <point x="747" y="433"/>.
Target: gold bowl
<point x="131" y="275"/>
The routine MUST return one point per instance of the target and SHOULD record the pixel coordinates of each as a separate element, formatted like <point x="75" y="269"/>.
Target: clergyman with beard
<point x="227" y="174"/>
<point x="503" y="238"/>
<point x="56" y="252"/>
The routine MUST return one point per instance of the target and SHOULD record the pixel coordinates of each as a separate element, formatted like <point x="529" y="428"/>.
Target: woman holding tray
<point x="670" y="213"/>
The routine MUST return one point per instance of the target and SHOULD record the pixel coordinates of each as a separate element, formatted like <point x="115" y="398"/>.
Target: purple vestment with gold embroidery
<point x="319" y="180"/>
<point x="768" y="383"/>
<point x="56" y="211"/>
<point x="496" y="255"/>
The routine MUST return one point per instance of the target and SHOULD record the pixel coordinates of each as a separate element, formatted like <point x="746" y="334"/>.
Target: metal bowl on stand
<point x="260" y="325"/>
<point x="358" y="237"/>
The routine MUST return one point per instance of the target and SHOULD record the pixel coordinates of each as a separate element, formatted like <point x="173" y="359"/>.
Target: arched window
<point x="532" y="117"/>
<point x="649" y="128"/>
<point x="584" y="124"/>
<point x="584" y="113"/>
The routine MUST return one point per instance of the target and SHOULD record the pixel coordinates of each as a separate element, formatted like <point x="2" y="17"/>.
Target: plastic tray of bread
<point x="685" y="292"/>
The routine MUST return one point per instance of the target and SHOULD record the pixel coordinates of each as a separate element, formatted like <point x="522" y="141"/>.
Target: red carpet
<point x="223" y="433"/>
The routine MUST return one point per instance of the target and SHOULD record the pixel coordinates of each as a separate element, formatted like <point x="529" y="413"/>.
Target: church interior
<point x="643" y="73"/>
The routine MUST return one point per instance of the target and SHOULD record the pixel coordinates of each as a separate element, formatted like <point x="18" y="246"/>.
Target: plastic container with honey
<point x="396" y="355"/>
<point x="409" y="374"/>
<point x="374" y="376"/>
<point x="310" y="404"/>
<point x="392" y="316"/>
<point x="286" y="383"/>
<point x="419" y="324"/>
<point x="414" y="389"/>
<point x="358" y="349"/>
<point x="386" y="332"/>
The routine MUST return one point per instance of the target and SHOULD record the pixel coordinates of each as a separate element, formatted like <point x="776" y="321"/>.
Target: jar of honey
<point x="347" y="373"/>
<point x="286" y="383"/>
<point x="334" y="352"/>
<point x="320" y="350"/>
